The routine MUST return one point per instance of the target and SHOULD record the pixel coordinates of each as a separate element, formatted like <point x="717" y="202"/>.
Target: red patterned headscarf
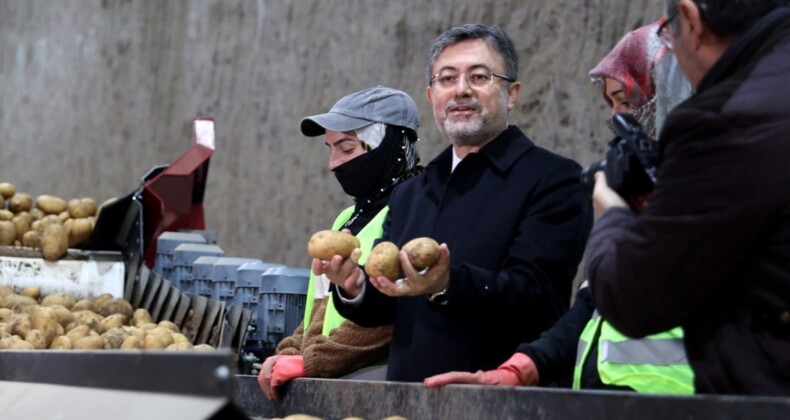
<point x="631" y="63"/>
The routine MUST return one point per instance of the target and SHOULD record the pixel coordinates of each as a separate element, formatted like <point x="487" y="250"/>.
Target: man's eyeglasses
<point x="479" y="78"/>
<point x="663" y="31"/>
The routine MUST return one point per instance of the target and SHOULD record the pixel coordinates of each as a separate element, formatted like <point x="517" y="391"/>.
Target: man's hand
<point x="518" y="370"/>
<point x="344" y="273"/>
<point x="434" y="279"/>
<point x="604" y="197"/>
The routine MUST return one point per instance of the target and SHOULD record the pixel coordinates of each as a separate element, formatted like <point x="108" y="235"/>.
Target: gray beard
<point x="476" y="134"/>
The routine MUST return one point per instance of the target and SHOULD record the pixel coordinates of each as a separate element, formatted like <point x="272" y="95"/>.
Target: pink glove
<point x="518" y="370"/>
<point x="265" y="376"/>
<point x="282" y="370"/>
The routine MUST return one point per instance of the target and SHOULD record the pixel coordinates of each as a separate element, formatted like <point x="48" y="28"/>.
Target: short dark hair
<point x="493" y="35"/>
<point x="726" y="18"/>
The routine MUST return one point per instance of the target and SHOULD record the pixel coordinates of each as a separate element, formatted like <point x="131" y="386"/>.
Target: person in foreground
<point x="710" y="252"/>
<point x="511" y="219"/>
<point x="370" y="136"/>
<point x="582" y="345"/>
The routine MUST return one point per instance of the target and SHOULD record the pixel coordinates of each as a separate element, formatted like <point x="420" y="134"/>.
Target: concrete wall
<point x="94" y="93"/>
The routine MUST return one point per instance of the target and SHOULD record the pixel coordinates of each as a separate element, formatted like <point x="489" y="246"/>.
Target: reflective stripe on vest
<point x="654" y="364"/>
<point x="661" y="352"/>
<point x="367" y="236"/>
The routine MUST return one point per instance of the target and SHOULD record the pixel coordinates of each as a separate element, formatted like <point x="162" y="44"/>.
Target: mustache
<point x="457" y="103"/>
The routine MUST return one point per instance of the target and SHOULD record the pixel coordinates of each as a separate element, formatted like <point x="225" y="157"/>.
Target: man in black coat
<point x="511" y="217"/>
<point x="712" y="251"/>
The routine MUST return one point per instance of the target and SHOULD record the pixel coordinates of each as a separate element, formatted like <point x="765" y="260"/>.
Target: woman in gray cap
<point x="370" y="135"/>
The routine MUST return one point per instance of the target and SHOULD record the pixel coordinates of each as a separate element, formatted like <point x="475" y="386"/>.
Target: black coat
<point x="712" y="251"/>
<point x="515" y="220"/>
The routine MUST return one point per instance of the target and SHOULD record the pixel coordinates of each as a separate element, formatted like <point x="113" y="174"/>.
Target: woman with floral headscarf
<point x="640" y="77"/>
<point x="572" y="347"/>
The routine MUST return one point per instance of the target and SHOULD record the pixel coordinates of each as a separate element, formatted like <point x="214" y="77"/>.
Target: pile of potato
<point x="50" y="223"/>
<point x="61" y="322"/>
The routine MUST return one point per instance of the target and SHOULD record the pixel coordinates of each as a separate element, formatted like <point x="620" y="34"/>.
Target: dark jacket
<point x="712" y="251"/>
<point x="515" y="220"/>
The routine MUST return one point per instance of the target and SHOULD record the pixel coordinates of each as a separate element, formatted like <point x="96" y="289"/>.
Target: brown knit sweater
<point x="347" y="349"/>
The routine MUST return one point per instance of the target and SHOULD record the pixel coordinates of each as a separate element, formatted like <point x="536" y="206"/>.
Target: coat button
<point x="784" y="317"/>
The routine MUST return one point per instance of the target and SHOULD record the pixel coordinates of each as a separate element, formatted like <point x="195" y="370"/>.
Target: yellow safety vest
<point x="367" y="236"/>
<point x="655" y="364"/>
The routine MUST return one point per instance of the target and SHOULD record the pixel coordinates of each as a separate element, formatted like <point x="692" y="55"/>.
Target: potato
<point x="203" y="347"/>
<point x="61" y="331"/>
<point x="54" y="242"/>
<point x="5" y="291"/>
<point x="135" y="331"/>
<point x="180" y="338"/>
<point x="114" y="338"/>
<point x="7" y="190"/>
<point x="91" y="319"/>
<point x="155" y="342"/>
<point x="45" y="320"/>
<point x="5" y="314"/>
<point x="132" y="342"/>
<point x="61" y="343"/>
<point x="114" y="306"/>
<point x="170" y="326"/>
<point x="113" y="321"/>
<point x="327" y="243"/>
<point x="102" y="298"/>
<point x="6" y="215"/>
<point x="89" y="342"/>
<point x="20" y="324"/>
<point x="82" y="207"/>
<point x="13" y="301"/>
<point x="5" y="342"/>
<point x="164" y="335"/>
<point x="179" y="346"/>
<point x="63" y="216"/>
<point x="84" y="305"/>
<point x="7" y="232"/>
<point x="22" y="226"/>
<point x="37" y="339"/>
<point x="32" y="239"/>
<point x="64" y="316"/>
<point x="40" y="225"/>
<point x="21" y="345"/>
<point x="77" y="332"/>
<point x="141" y="316"/>
<point x="25" y="307"/>
<point x="36" y="214"/>
<point x="148" y="326"/>
<point x="20" y="202"/>
<point x="63" y="299"/>
<point x="33" y="292"/>
<point x="383" y="261"/>
<point x="79" y="231"/>
<point x="50" y="204"/>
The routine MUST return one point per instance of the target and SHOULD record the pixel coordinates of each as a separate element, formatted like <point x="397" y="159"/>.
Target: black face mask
<point x="367" y="174"/>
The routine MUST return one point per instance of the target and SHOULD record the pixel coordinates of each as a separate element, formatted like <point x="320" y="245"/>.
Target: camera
<point x="630" y="163"/>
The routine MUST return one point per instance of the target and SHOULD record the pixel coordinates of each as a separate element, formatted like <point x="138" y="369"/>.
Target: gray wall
<point x="94" y="93"/>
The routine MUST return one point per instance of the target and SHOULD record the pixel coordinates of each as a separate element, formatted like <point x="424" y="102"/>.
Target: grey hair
<point x="495" y="36"/>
